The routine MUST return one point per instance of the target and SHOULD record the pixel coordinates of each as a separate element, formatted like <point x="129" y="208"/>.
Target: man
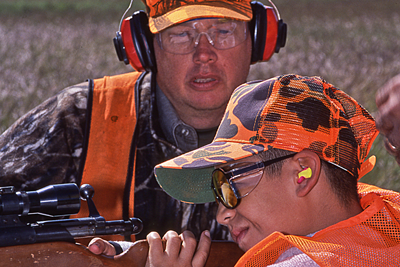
<point x="111" y="132"/>
<point x="284" y="167"/>
<point x="388" y="119"/>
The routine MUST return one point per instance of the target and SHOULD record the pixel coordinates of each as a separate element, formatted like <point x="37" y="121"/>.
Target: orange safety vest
<point x="112" y="125"/>
<point x="371" y="238"/>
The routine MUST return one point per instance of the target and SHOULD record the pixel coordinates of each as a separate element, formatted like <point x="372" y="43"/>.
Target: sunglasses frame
<point x="237" y="171"/>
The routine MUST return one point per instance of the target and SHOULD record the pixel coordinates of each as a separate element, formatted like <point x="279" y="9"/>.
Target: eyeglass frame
<point x="196" y="39"/>
<point x="236" y="172"/>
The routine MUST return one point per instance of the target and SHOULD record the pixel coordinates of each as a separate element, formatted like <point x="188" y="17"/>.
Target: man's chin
<point x="210" y="103"/>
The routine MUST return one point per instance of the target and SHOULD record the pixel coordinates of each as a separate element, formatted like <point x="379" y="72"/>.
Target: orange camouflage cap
<point x="289" y="112"/>
<point x="163" y="14"/>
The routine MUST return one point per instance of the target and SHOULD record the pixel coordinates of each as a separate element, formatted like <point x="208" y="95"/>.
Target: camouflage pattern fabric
<point x="44" y="147"/>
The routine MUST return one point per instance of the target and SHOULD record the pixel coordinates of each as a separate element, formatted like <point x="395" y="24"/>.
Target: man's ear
<point x="309" y="169"/>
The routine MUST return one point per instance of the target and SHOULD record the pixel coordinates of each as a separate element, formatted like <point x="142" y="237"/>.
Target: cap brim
<point x="188" y="177"/>
<point x="190" y="12"/>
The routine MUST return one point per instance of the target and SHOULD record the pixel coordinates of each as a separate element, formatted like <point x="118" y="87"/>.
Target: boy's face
<point x="271" y="206"/>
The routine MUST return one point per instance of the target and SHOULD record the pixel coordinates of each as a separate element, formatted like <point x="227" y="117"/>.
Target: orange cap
<point x="163" y="14"/>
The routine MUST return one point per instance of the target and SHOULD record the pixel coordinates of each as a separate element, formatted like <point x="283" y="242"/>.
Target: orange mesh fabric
<point x="371" y="238"/>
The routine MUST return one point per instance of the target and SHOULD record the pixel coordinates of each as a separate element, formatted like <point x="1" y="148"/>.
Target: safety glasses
<point x="232" y="185"/>
<point x="220" y="33"/>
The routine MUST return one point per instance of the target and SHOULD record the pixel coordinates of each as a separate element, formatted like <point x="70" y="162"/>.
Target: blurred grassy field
<point x="48" y="45"/>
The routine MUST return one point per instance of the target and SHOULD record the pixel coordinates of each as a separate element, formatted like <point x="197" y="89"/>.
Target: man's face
<point x="270" y="207"/>
<point x="203" y="79"/>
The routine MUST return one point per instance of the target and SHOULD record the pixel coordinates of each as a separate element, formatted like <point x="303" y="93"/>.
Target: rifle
<point x="54" y="200"/>
<point x="52" y="243"/>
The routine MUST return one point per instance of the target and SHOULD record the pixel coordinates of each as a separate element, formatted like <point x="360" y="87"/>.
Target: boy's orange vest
<point x="372" y="238"/>
<point x="112" y="125"/>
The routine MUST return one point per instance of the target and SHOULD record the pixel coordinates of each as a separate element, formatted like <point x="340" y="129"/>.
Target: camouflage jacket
<point x="45" y="146"/>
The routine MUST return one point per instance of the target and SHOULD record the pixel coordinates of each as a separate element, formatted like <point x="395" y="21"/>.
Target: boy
<point x="284" y="167"/>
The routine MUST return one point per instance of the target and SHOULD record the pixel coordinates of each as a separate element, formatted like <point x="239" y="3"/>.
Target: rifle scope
<point x="52" y="200"/>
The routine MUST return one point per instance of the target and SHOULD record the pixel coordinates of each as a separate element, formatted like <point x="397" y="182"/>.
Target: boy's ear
<point x="309" y="169"/>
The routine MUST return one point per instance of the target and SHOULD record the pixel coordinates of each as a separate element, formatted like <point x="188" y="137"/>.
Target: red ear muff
<point x="131" y="55"/>
<point x="268" y="32"/>
<point x="271" y="34"/>
<point x="134" y="42"/>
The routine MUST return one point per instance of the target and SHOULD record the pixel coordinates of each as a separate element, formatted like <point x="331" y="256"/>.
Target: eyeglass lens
<point x="229" y="190"/>
<point x="184" y="38"/>
<point x="222" y="189"/>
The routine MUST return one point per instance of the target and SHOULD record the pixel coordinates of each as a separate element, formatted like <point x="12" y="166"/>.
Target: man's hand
<point x="180" y="250"/>
<point x="388" y="119"/>
<point x="100" y="246"/>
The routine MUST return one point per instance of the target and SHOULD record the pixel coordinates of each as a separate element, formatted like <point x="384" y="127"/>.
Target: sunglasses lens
<point x="223" y="190"/>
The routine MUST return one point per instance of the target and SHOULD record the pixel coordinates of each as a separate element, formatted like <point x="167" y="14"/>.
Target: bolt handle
<point x="86" y="193"/>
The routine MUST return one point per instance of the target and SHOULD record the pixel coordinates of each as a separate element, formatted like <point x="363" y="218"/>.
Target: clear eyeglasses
<point x="220" y="33"/>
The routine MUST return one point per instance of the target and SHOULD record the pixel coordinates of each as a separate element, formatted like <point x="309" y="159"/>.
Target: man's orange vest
<point x="372" y="238"/>
<point x="112" y="125"/>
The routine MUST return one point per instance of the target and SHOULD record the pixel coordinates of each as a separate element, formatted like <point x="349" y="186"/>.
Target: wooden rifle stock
<point x="222" y="254"/>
